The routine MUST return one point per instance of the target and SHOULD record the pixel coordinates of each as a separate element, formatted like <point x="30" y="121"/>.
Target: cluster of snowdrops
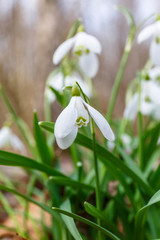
<point x="113" y="188"/>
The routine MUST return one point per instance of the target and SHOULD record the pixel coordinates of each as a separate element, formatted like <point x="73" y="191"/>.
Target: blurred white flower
<point x="152" y="30"/>
<point x="7" y="138"/>
<point x="127" y="141"/>
<point x="84" y="46"/>
<point x="74" y="116"/>
<point x="130" y="111"/>
<point x="58" y="82"/>
<point x="149" y="101"/>
<point x="154" y="73"/>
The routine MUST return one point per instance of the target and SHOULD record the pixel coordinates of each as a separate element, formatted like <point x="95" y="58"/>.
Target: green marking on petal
<point x="157" y="40"/>
<point x="81" y="122"/>
<point x="79" y="50"/>
<point x="147" y="99"/>
<point x="87" y="51"/>
<point x="81" y="119"/>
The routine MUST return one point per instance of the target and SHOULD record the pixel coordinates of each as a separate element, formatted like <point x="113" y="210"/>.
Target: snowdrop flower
<point x="58" y="82"/>
<point x="154" y="74"/>
<point x="85" y="47"/>
<point x="149" y="101"/>
<point x="8" y="138"/>
<point x="154" y="31"/>
<point x="74" y="116"/>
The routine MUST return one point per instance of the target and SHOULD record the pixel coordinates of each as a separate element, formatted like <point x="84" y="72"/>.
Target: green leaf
<point x="92" y="224"/>
<point x="131" y="163"/>
<point x="75" y="184"/>
<point x="107" y="158"/>
<point x="155" y="179"/>
<point x="59" y="96"/>
<point x="49" y="126"/>
<point x="41" y="143"/>
<point x="12" y="159"/>
<point x="93" y="211"/>
<point x="150" y="142"/>
<point x="141" y="213"/>
<point x="69" y="221"/>
<point x="72" y="183"/>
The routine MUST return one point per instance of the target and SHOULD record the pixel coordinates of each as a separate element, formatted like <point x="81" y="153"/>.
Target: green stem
<point x="98" y="197"/>
<point x="140" y="128"/>
<point x="127" y="50"/>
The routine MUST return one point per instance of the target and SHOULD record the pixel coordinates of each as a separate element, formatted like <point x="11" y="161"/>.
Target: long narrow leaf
<point x="12" y="159"/>
<point x="70" y="224"/>
<point x="93" y="211"/>
<point x="41" y="142"/>
<point x="141" y="213"/>
<point x="92" y="224"/>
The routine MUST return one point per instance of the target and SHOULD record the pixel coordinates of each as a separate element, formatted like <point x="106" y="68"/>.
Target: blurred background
<point x="31" y="30"/>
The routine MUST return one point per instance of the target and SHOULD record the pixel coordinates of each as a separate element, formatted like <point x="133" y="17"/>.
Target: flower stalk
<point x="127" y="50"/>
<point x="140" y="127"/>
<point x="98" y="196"/>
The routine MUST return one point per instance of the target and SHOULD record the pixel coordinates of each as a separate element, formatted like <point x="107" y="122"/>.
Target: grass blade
<point x="12" y="159"/>
<point x="41" y="143"/>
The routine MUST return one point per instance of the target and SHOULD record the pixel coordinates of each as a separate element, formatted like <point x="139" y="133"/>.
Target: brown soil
<point x="11" y="236"/>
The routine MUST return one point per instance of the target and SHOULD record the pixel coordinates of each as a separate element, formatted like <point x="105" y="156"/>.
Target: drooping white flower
<point x="58" y="82"/>
<point x="152" y="30"/>
<point x="149" y="101"/>
<point x="74" y="116"/>
<point x="7" y="138"/>
<point x="85" y="47"/>
<point x="154" y="73"/>
<point x="130" y="111"/>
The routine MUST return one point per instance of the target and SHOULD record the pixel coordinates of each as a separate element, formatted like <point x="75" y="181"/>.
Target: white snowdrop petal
<point x="17" y="143"/>
<point x="50" y="95"/>
<point x="130" y="111"/>
<point x="155" y="53"/>
<point x="146" y="108"/>
<point x="146" y="33"/>
<point x="67" y="141"/>
<point x="156" y="113"/>
<point x="101" y="123"/>
<point x="89" y="64"/>
<point x="56" y="81"/>
<point x="66" y="120"/>
<point x="62" y="50"/>
<point x="126" y="139"/>
<point x="88" y="41"/>
<point x="154" y="92"/>
<point x="5" y="134"/>
<point x="81" y="111"/>
<point x="154" y="73"/>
